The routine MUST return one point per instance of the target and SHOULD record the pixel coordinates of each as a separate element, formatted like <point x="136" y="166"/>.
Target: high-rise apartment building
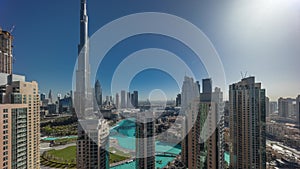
<point x="203" y="146"/>
<point x="13" y="122"/>
<point x="6" y="57"/>
<point x="145" y="140"/>
<point x="211" y="116"/>
<point x="247" y="124"/>
<point x="267" y="106"/>
<point x="273" y="107"/>
<point x="19" y="92"/>
<point x="285" y="107"/>
<point x="93" y="144"/>
<point x="189" y="109"/>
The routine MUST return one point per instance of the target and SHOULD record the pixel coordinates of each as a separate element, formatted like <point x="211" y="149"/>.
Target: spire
<point x="83" y="24"/>
<point x="83" y="93"/>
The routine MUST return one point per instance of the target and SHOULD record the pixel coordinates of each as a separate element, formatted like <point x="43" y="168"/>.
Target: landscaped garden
<point x="66" y="158"/>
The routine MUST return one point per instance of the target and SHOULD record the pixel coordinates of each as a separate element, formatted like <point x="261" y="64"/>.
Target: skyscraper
<point x="98" y="93"/>
<point x="178" y="100"/>
<point x="298" y="110"/>
<point x="189" y="109"/>
<point x="123" y="101"/>
<point x="50" y="97"/>
<point x="129" y="105"/>
<point x="13" y="126"/>
<point x="211" y="119"/>
<point x="273" y="107"/>
<point x="14" y="94"/>
<point x="135" y="99"/>
<point x="145" y="140"/>
<point x="117" y="101"/>
<point x="247" y="124"/>
<point x="267" y="106"/>
<point x="93" y="130"/>
<point x="285" y="107"/>
<point x="6" y="57"/>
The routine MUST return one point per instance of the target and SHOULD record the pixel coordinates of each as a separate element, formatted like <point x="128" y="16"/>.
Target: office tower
<point x="211" y="126"/>
<point x="247" y="124"/>
<point x="298" y="110"/>
<point x="50" y="97"/>
<point x="145" y="140"/>
<point x="273" y="107"/>
<point x="206" y="85"/>
<point x="66" y="104"/>
<point x="189" y="109"/>
<point x="93" y="131"/>
<point x="117" y="101"/>
<point x="178" y="100"/>
<point x="13" y="122"/>
<point x="6" y="57"/>
<point x="98" y="93"/>
<point x="123" y="101"/>
<point x="129" y="105"/>
<point x="267" y="106"/>
<point x="42" y="96"/>
<point x="20" y="92"/>
<point x="132" y="99"/>
<point x="135" y="99"/>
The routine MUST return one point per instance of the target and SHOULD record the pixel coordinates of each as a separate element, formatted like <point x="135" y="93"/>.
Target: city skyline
<point x="275" y="49"/>
<point x="153" y="88"/>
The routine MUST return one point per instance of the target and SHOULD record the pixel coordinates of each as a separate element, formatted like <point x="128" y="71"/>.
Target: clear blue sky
<point x="258" y="36"/>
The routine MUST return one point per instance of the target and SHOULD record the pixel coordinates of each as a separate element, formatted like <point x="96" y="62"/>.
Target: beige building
<point x="247" y="124"/>
<point x="20" y="92"/>
<point x="13" y="119"/>
<point x="6" y="57"/>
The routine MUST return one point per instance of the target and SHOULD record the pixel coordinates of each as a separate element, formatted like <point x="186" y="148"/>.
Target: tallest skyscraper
<point x="93" y="131"/>
<point x="83" y="93"/>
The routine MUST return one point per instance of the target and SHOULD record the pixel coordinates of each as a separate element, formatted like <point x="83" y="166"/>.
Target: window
<point x="5" y="110"/>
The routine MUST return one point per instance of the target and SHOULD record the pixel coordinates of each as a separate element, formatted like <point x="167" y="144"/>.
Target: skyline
<point x="262" y="38"/>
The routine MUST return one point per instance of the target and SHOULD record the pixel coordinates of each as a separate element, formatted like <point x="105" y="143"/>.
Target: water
<point x="227" y="157"/>
<point x="124" y="132"/>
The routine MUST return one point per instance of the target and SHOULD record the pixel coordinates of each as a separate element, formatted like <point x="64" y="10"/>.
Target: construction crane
<point x="12" y="29"/>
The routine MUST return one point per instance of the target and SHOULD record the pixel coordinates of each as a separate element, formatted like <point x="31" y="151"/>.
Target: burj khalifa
<point x="93" y="131"/>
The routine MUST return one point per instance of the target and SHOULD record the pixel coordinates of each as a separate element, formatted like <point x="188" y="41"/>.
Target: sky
<point x="260" y="37"/>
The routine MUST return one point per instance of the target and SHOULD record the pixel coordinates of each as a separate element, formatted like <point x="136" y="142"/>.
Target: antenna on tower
<point x="244" y="75"/>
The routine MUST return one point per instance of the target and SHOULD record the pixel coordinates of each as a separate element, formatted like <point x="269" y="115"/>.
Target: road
<point x="45" y="147"/>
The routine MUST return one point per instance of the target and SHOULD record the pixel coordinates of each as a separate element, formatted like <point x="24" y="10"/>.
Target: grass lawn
<point x="67" y="154"/>
<point x="117" y="155"/>
<point x="66" y="158"/>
